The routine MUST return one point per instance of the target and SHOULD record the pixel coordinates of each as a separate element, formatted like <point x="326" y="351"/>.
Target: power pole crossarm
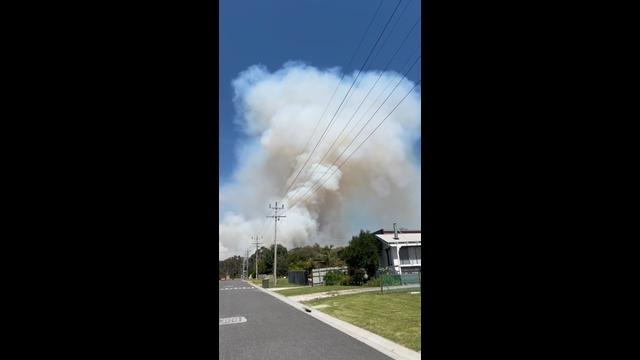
<point x="276" y="218"/>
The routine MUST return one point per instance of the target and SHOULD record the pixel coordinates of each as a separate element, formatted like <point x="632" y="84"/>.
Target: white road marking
<point x="232" y="320"/>
<point x="238" y="288"/>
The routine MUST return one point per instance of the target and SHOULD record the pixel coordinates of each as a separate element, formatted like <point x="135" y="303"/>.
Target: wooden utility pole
<point x="256" y="244"/>
<point x="245" y="269"/>
<point x="276" y="218"/>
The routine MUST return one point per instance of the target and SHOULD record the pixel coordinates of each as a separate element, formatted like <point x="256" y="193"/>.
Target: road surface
<point x="255" y="325"/>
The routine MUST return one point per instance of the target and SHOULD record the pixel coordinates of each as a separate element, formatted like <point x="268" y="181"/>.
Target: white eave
<point x="406" y="239"/>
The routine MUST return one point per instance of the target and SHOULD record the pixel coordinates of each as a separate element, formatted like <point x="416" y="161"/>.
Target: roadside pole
<point x="276" y="218"/>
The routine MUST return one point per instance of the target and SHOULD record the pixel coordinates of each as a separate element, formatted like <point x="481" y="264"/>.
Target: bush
<point x="346" y="280"/>
<point x="392" y="280"/>
<point x="363" y="253"/>
<point x="374" y="281"/>
<point x="334" y="278"/>
<point x="358" y="277"/>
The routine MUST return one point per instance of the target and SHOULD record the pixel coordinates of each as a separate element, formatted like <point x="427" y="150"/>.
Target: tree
<point x="231" y="266"/>
<point x="339" y="260"/>
<point x="261" y="262"/>
<point x="326" y="252"/>
<point x="304" y="258"/>
<point x="313" y="256"/>
<point x="363" y="252"/>
<point x="267" y="258"/>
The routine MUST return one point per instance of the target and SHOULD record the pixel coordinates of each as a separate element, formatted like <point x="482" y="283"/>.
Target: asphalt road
<point x="275" y="330"/>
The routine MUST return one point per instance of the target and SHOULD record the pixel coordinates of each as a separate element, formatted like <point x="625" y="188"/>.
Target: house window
<point x="404" y="256"/>
<point x="410" y="255"/>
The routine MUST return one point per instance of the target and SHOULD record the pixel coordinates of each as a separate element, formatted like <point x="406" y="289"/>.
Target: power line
<point x="365" y="125"/>
<point x="303" y="198"/>
<point x="266" y="227"/>
<point x="338" y="85"/>
<point x="393" y="27"/>
<point x="364" y="36"/>
<point x="379" y="95"/>
<point x="376" y="54"/>
<point x="343" y="99"/>
<point x="362" y="102"/>
<point x="347" y="159"/>
<point x="404" y="65"/>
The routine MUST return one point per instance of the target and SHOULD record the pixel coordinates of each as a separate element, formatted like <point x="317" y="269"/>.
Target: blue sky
<point x="323" y="34"/>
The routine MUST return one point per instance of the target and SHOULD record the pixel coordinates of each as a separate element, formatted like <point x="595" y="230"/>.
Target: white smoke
<point x="379" y="185"/>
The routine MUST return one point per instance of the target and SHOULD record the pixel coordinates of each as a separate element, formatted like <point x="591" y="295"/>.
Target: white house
<point x="400" y="249"/>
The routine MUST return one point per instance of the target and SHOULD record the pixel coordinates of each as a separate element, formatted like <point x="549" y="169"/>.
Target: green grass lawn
<point x="392" y="315"/>
<point x="316" y="289"/>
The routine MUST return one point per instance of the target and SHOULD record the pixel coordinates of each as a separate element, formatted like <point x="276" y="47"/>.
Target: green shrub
<point x="391" y="280"/>
<point x="334" y="278"/>
<point x="363" y="253"/>
<point x="358" y="277"/>
<point x="346" y="280"/>
<point x="374" y="281"/>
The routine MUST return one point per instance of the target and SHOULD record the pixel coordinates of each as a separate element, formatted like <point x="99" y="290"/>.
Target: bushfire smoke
<point x="278" y="111"/>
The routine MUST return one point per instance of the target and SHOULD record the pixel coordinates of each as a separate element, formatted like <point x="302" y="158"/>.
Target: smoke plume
<point x="278" y="111"/>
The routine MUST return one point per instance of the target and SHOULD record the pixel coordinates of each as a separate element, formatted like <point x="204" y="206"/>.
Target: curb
<point x="385" y="346"/>
<point x="322" y="295"/>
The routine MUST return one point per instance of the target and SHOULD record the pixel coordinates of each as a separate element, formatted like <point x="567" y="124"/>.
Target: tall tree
<point x="261" y="262"/>
<point x="329" y="260"/>
<point x="231" y="266"/>
<point x="267" y="257"/>
<point x="363" y="252"/>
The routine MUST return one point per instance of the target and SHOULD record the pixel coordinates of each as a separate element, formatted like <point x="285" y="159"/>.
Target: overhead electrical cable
<point x="366" y="32"/>
<point x="363" y="100"/>
<point x="389" y="83"/>
<point x="339" y="82"/>
<point x="357" y="148"/>
<point x="343" y="99"/>
<point x="365" y="125"/>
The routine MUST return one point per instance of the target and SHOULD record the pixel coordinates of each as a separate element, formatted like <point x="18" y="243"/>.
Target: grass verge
<point x="392" y="315"/>
<point x="316" y="289"/>
<point x="281" y="282"/>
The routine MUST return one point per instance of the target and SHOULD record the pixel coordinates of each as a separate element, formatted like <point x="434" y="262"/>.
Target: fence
<point x="318" y="274"/>
<point x="387" y="279"/>
<point x="298" y="277"/>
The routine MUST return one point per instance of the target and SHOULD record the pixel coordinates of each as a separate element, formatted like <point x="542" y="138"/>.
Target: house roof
<point x="383" y="231"/>
<point x="405" y="236"/>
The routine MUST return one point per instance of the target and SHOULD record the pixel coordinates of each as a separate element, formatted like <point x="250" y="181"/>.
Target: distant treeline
<point x="300" y="258"/>
<point x="361" y="253"/>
